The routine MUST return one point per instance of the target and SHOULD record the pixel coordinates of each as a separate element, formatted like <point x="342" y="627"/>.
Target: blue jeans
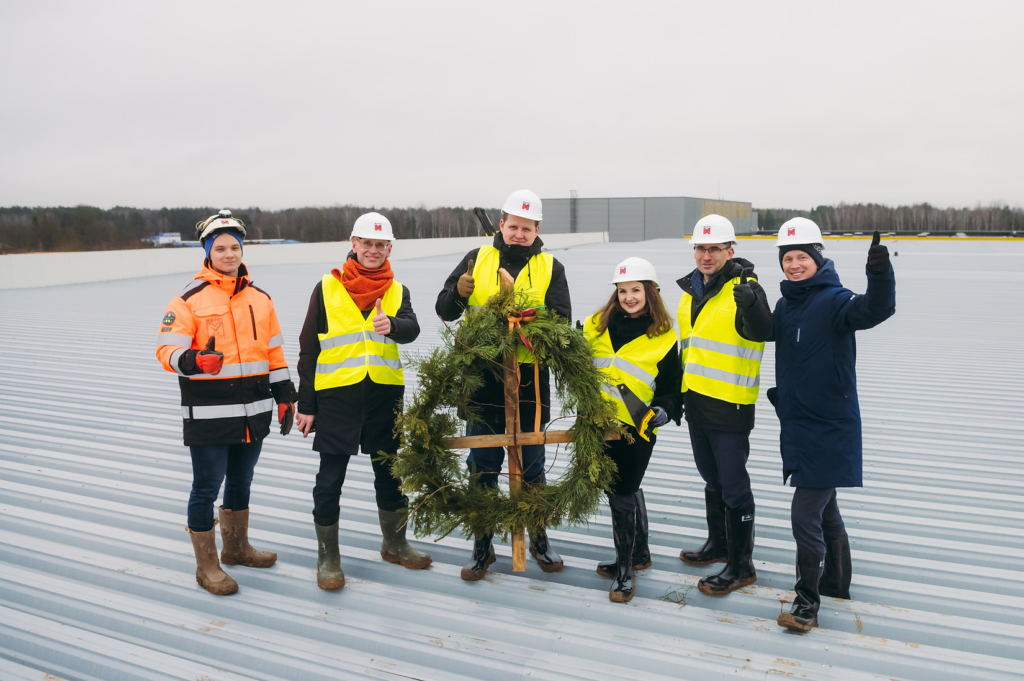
<point x="721" y="459"/>
<point x="488" y="460"/>
<point x="211" y="464"/>
<point x="816" y="518"/>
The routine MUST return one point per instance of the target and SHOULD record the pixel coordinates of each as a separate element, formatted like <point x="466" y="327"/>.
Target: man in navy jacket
<point x="816" y="400"/>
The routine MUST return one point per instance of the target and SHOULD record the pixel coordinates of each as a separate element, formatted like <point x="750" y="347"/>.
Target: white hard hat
<point x="713" y="229"/>
<point x="373" y="226"/>
<point x="221" y="222"/>
<point x="799" y="231"/>
<point x="635" y="269"/>
<point x="524" y="203"/>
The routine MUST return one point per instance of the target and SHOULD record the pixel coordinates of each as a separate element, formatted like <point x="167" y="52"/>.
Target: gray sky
<point x="281" y="104"/>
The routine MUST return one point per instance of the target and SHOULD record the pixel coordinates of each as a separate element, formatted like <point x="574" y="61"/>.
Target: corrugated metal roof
<point x="97" y="575"/>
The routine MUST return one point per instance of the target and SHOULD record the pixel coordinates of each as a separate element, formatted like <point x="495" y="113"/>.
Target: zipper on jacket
<point x="797" y="330"/>
<point x="253" y="318"/>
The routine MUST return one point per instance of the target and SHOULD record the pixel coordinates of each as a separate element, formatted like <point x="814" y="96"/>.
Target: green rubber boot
<point x="395" y="548"/>
<point x="329" y="575"/>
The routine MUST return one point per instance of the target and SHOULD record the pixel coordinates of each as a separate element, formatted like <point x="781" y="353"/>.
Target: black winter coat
<point x="450" y="306"/>
<point x="342" y="414"/>
<point x="816" y="374"/>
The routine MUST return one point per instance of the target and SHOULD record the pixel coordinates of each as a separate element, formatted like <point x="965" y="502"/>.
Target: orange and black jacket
<point x="236" y="405"/>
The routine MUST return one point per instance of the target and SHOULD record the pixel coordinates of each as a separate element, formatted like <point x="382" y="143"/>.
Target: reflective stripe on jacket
<point x="717" y="361"/>
<point x="235" y="405"/>
<point x="351" y="349"/>
<point x="533" y="280"/>
<point x="635" y="364"/>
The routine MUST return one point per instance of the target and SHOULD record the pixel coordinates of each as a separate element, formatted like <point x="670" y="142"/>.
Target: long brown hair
<point x="661" y="322"/>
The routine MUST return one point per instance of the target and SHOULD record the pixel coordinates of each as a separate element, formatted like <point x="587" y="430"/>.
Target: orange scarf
<point x="365" y="286"/>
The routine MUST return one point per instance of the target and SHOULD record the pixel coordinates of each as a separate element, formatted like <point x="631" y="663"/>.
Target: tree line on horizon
<point x="921" y="217"/>
<point x="85" y="228"/>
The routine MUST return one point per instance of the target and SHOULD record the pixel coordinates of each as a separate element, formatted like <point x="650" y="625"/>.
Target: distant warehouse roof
<point x="640" y="218"/>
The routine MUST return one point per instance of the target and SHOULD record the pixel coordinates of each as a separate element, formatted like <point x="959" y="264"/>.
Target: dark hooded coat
<point x="815" y="373"/>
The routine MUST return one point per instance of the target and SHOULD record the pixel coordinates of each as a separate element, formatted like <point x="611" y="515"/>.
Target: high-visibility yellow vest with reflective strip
<point x="717" y="361"/>
<point x="635" y="364"/>
<point x="533" y="280"/>
<point x="351" y="349"/>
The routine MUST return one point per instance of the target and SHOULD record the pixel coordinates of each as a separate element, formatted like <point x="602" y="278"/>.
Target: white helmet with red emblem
<point x="799" y="231"/>
<point x="524" y="203"/>
<point x="713" y="229"/>
<point x="373" y="226"/>
<point x="634" y="269"/>
<point x="221" y="222"/>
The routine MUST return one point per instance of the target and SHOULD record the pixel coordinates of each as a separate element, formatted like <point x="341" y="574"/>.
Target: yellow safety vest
<point x="717" y="361"/>
<point x="533" y="280"/>
<point x="351" y="348"/>
<point x="635" y="364"/>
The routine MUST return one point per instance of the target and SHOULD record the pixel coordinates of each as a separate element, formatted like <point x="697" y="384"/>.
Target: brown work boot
<point x="329" y="575"/>
<point x="234" y="532"/>
<point x="208" y="572"/>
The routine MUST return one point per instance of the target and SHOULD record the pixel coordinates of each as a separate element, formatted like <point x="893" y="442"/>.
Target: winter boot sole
<point x="224" y="587"/>
<point x="702" y="563"/>
<point x="471" y="575"/>
<point x="619" y="597"/>
<point x="601" y="570"/>
<point x="796" y="624"/>
<point x="330" y="583"/>
<point x="554" y="567"/>
<point x="418" y="564"/>
<point x="739" y="584"/>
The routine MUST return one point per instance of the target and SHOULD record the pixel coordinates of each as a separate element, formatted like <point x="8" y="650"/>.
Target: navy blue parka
<point x="816" y="374"/>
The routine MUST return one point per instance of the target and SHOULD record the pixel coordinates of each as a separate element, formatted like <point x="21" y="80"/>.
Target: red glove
<point x="286" y="416"/>
<point x="209" y="360"/>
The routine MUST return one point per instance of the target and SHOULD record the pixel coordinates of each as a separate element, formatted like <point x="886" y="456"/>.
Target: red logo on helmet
<point x="225" y="222"/>
<point x="377" y="227"/>
<point x="622" y="270"/>
<point x="791" y="231"/>
<point x="526" y="205"/>
<point x="707" y="230"/>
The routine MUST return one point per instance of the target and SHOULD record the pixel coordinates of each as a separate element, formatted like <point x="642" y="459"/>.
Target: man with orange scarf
<point x="352" y="387"/>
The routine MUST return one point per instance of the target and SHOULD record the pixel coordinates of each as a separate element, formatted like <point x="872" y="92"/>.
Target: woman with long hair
<point x="634" y="344"/>
<point x="221" y="336"/>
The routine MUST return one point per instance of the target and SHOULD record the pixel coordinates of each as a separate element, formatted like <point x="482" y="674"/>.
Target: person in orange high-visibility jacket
<point x="221" y="336"/>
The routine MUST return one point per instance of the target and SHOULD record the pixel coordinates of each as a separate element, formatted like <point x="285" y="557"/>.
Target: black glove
<point x="579" y="325"/>
<point x="659" y="419"/>
<point x="743" y="293"/>
<point x="878" y="255"/>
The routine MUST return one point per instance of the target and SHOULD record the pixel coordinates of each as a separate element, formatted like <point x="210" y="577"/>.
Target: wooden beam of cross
<point x="514" y="438"/>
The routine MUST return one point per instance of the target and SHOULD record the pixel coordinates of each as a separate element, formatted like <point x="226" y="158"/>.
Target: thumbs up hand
<point x="381" y="322"/>
<point x="209" y="360"/>
<point x="878" y="255"/>
<point x="466" y="282"/>
<point x="743" y="292"/>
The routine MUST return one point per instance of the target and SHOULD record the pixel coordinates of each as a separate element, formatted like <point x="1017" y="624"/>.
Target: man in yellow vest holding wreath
<point x="352" y="386"/>
<point x="724" y="319"/>
<point x="514" y="254"/>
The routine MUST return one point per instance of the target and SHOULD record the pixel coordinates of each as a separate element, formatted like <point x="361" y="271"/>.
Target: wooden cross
<point x="513" y="438"/>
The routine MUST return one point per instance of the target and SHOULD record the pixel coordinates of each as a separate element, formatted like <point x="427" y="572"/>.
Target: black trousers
<point x="331" y="477"/>
<point x="816" y="519"/>
<point x="632" y="460"/>
<point x="721" y="459"/>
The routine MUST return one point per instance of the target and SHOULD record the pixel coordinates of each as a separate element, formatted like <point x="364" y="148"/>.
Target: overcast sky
<point x="286" y="104"/>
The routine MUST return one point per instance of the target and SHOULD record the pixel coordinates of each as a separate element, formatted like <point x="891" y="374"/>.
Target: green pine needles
<point x="443" y="494"/>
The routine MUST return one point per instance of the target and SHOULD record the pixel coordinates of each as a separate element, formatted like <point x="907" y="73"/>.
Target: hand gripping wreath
<point x="443" y="494"/>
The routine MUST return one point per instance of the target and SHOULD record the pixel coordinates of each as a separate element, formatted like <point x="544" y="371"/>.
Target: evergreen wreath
<point x="443" y="494"/>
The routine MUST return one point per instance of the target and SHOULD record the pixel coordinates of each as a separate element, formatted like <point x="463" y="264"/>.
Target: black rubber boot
<point x="739" y="570"/>
<point x="835" y="580"/>
<point x="624" y="535"/>
<point x="804" y="615"/>
<point x="715" y="549"/>
<point x="547" y="558"/>
<point x="483" y="557"/>
<point x="641" y="549"/>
